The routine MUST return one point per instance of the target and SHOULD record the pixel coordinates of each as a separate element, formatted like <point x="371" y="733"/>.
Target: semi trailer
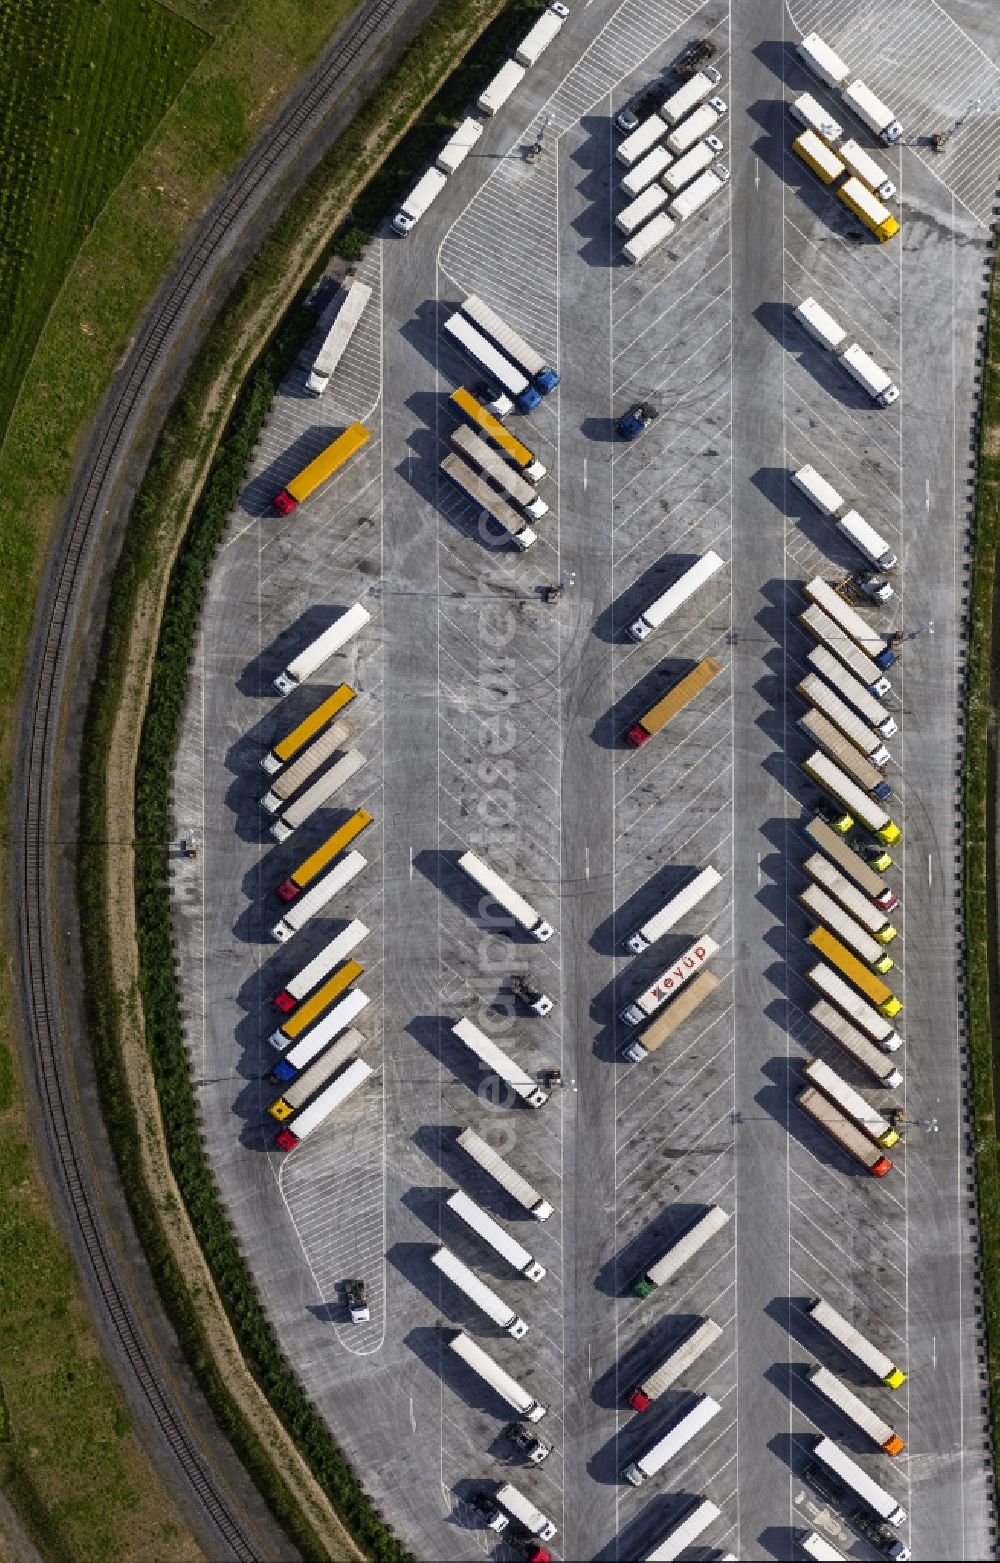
<point x="496" y="1236"/>
<point x="458" y="146"/>
<point x="666" y="1023"/>
<point x="286" y="748"/>
<point x="845" y="1134"/>
<point x="319" y="1109"/>
<point x="826" y="699"/>
<point x="324" y="855"/>
<point x="481" y="1363"/>
<point x="322" y="467"/>
<point x="861" y="667"/>
<point x="310" y="975"/>
<point x="313" y="901"/>
<point x="865" y="1016"/>
<point x="840" y="1465"/>
<point x="691" y="1423"/>
<point x="856" y="1045"/>
<point x="854" y="1408"/>
<point x="871" y="917"/>
<point x="693" y="163"/>
<point x="671" y="912"/>
<point x="320" y="650"/>
<point x="850" y="966"/>
<point x="492" y="429"/>
<point x="851" y="1103"/>
<point x="318" y="793"/>
<point x="521" y="353"/>
<point x="852" y="864"/>
<point x="484" y="1297"/>
<point x="346" y="321"/>
<point x="499" y="890"/>
<point x="476" y="488"/>
<point x="684" y="1355"/>
<point x="308" y="762"/>
<point x="483" y="352"/>
<point x="668" y="602"/>
<point x="857" y="629"/>
<point x="651" y="999"/>
<point x="681" y="1251"/>
<point x="826" y="774"/>
<point x="311" y="1080"/>
<point x="496" y="1060"/>
<point x="502" y="1172"/>
<point x="855" y="1344"/>
<point x="673" y="702"/>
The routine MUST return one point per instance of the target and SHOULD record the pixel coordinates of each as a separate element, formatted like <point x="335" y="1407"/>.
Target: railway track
<point x="40" y="759"/>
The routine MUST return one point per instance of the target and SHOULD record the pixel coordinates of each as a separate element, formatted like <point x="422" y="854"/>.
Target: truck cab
<point x="637" y="420"/>
<point x="538" y="1002"/>
<point x="357" y="1301"/>
<point x="835" y="817"/>
<point x="527" y="1443"/>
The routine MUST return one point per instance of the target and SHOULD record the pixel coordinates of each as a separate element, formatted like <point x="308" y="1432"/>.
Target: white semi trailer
<point x="856" y="1045"/>
<point x="673" y="910"/>
<point x="481" y="1363"/>
<point x="321" y="965"/>
<point x="498" y="1238"/>
<point x="484" y="1297"/>
<point x="521" y="911"/>
<point x="321" y="649"/>
<point x="865" y="1016"/>
<point x="669" y="982"/>
<point x="316" y="898"/>
<point x="494" y="1058"/>
<point x="503" y="1173"/>
<point x="676" y="595"/>
<point x="691" y="1423"/>
<point x="319" y="1109"/>
<point x="351" y="308"/>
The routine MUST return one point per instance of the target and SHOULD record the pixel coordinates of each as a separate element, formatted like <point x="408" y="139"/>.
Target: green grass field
<point x="82" y="77"/>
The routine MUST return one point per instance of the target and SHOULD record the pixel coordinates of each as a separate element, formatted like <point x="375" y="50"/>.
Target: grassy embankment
<point x="159" y="518"/>
<point x="981" y="843"/>
<point x="117" y="121"/>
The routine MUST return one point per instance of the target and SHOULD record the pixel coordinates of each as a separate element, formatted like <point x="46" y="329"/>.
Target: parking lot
<point x="492" y="719"/>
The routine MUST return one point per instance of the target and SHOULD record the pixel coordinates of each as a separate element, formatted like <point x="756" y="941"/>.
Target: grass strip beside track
<point x="982" y="868"/>
<point x="158" y="520"/>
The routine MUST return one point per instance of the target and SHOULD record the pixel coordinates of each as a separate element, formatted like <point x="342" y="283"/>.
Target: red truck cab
<point x="288" y="890"/>
<point x="286" y="1140"/>
<point x="284" y="504"/>
<point x="637" y="736"/>
<point x="283" y="1001"/>
<point x="638" y="1401"/>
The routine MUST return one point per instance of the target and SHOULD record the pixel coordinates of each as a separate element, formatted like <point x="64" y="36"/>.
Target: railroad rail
<point x="39" y="759"/>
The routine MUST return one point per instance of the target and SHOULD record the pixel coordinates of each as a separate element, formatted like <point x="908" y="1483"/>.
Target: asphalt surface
<point x="494" y="721"/>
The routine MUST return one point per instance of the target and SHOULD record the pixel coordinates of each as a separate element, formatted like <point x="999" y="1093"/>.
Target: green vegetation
<point x="164" y="109"/>
<point x="157" y="521"/>
<point x="77" y="77"/>
<point x="982" y="958"/>
<point x="67" y="1460"/>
